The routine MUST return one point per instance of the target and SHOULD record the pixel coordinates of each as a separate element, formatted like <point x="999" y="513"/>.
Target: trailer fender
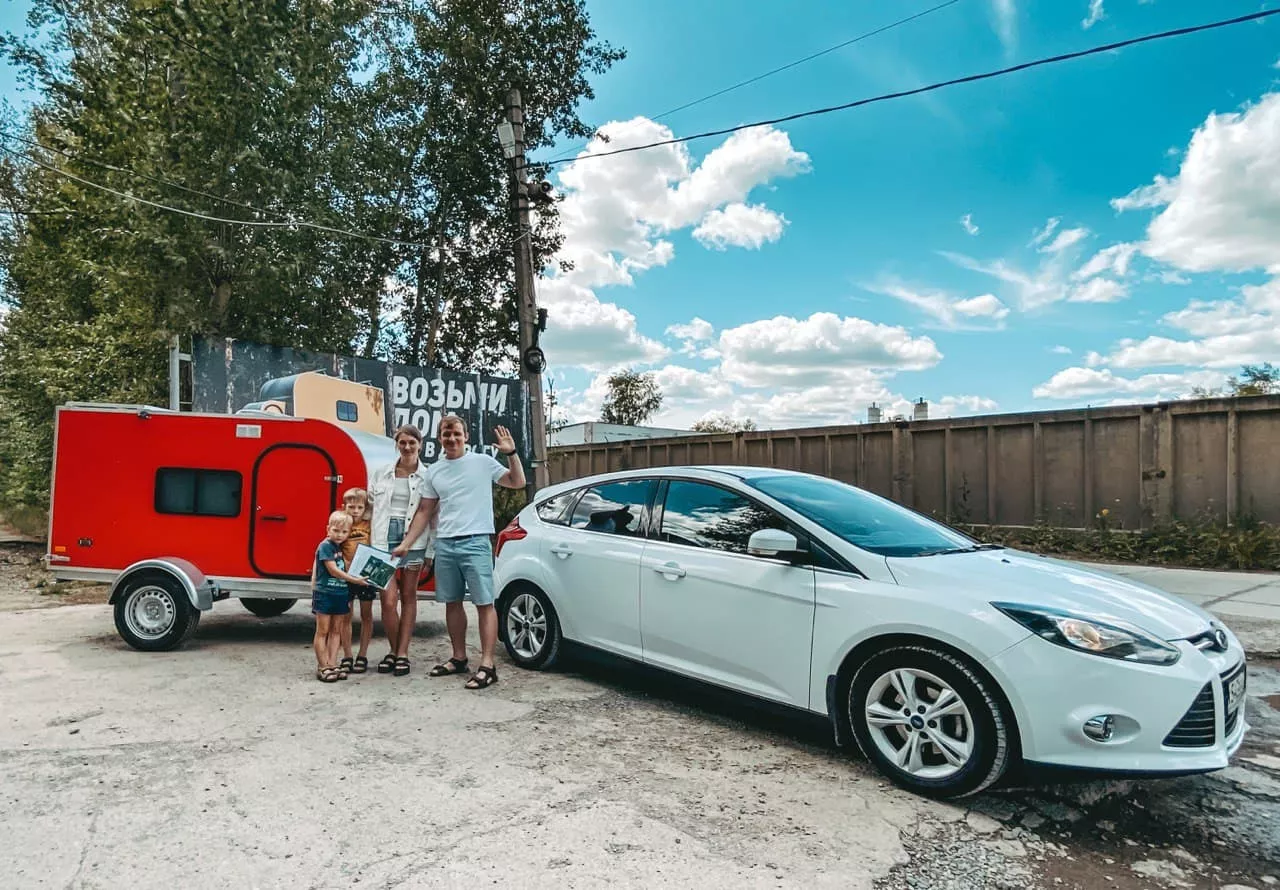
<point x="200" y="590"/>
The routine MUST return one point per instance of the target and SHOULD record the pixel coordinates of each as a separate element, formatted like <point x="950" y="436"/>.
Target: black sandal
<point x="344" y="668"/>
<point x="483" y="678"/>
<point x="446" y="668"/>
<point x="387" y="664"/>
<point x="360" y="665"/>
<point x="402" y="667"/>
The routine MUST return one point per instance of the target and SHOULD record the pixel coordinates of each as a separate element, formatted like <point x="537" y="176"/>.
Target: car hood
<point x="1027" y="579"/>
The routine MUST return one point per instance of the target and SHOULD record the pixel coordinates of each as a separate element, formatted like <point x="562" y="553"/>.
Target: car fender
<point x="527" y="567"/>
<point x="199" y="589"/>
<point x="854" y="612"/>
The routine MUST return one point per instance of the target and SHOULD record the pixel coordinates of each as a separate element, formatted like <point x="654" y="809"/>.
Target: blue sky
<point x="1092" y="232"/>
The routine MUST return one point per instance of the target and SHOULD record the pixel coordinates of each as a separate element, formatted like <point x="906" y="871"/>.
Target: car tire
<point x="929" y="721"/>
<point x="154" y="614"/>
<point x="267" y="607"/>
<point x="529" y="628"/>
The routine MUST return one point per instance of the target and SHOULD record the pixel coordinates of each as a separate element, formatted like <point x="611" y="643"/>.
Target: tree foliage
<point x="362" y="115"/>
<point x="1254" y="380"/>
<point x="723" y="423"/>
<point x="633" y="398"/>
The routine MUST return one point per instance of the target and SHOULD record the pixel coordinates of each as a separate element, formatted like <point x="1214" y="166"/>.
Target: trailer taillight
<point x="513" y="532"/>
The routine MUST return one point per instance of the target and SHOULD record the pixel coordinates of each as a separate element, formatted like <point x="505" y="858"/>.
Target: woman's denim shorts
<point x="395" y="535"/>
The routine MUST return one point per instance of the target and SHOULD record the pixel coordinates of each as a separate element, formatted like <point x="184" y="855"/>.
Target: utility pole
<point x="532" y="362"/>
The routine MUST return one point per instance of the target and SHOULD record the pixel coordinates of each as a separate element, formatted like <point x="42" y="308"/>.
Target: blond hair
<point x="341" y="517"/>
<point x="353" y="494"/>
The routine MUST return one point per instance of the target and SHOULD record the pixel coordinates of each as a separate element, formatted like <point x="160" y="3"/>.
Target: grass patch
<point x="1244" y="545"/>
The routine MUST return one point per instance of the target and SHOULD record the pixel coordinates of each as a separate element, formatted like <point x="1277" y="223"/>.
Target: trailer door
<point x="295" y="487"/>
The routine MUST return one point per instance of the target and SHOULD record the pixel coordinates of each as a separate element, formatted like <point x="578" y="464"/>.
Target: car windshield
<point x="863" y="519"/>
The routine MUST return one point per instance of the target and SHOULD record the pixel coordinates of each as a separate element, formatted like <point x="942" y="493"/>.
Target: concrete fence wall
<point x="1198" y="459"/>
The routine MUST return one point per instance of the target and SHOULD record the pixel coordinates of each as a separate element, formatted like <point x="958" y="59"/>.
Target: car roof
<point x="697" y="471"/>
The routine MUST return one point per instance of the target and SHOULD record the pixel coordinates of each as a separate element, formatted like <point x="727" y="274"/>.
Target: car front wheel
<point x="530" y="629"/>
<point x="929" y="721"/>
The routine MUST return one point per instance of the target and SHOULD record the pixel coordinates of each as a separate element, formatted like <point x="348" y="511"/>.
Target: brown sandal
<point x="483" y="678"/>
<point x="327" y="675"/>
<point x="446" y="668"/>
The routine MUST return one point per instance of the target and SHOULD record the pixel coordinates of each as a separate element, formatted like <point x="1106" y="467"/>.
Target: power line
<point x="972" y="78"/>
<point x="262" y="224"/>
<point x="151" y="178"/>
<point x="781" y="68"/>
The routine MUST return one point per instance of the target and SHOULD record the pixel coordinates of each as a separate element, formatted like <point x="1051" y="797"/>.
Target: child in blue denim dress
<point x="329" y="598"/>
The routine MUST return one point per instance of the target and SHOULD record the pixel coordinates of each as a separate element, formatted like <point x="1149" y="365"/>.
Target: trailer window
<point x="347" y="411"/>
<point x="192" y="492"/>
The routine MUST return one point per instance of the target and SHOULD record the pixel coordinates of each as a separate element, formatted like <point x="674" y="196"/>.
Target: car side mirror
<point x="774" y="543"/>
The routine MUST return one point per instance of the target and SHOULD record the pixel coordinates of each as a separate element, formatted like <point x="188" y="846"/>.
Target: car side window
<point x="702" y="515"/>
<point x="552" y="510"/>
<point x="616" y="508"/>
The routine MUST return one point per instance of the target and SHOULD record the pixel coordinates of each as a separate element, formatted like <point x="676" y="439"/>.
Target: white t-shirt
<point x="464" y="486"/>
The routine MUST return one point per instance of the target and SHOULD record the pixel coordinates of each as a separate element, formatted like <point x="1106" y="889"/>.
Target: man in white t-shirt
<point x="458" y="491"/>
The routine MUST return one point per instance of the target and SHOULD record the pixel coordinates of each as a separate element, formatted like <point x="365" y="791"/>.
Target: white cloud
<point x="950" y="311"/>
<point x="1222" y="211"/>
<point x="1157" y="194"/>
<point x="1076" y="383"/>
<point x="1066" y="238"/>
<point x="687" y="385"/>
<point x="1099" y="290"/>
<point x="697" y="330"/>
<point x="585" y="332"/>
<point x="1006" y="23"/>
<point x="1048" y="284"/>
<point x="1061" y="350"/>
<point x="983" y="306"/>
<point x="1230" y="333"/>
<point x="1096" y="14"/>
<point x="616" y="212"/>
<point x="1040" y="236"/>
<point x="823" y="349"/>
<point x="1114" y="259"/>
<point x="1168" y="277"/>
<point x="967" y="223"/>
<point x="740" y="225"/>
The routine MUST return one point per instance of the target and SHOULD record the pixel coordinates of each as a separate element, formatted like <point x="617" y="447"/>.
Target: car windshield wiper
<point x="946" y="551"/>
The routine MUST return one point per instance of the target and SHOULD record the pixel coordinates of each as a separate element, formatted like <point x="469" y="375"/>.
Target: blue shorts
<point x="330" y="602"/>
<point x="464" y="565"/>
<point x="395" y="537"/>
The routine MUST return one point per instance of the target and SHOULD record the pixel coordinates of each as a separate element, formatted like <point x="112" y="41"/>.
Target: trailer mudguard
<point x="199" y="588"/>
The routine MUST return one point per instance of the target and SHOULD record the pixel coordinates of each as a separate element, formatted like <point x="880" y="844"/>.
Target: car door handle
<point x="273" y="517"/>
<point x="670" y="570"/>
<point x="562" y="551"/>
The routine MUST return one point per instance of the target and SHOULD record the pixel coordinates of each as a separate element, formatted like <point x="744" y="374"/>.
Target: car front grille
<point x="1197" y="727"/>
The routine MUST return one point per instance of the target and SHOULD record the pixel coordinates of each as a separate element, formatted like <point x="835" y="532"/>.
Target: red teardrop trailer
<point x="180" y="510"/>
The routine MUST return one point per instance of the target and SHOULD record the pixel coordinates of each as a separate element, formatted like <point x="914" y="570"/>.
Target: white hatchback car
<point x="946" y="660"/>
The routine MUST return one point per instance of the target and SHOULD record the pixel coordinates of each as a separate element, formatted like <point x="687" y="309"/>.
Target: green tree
<point x="633" y="398"/>
<point x="443" y="70"/>
<point x="360" y="115"/>
<point x="723" y="423"/>
<point x="1254" y="380"/>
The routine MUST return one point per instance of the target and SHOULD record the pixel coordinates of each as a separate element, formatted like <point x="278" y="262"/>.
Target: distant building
<point x="593" y="431"/>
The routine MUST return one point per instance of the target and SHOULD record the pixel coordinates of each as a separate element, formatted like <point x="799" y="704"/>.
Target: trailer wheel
<point x="267" y="607"/>
<point x="154" y="614"/>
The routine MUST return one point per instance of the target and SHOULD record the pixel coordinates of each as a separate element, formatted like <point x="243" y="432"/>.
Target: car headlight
<point x="1111" y="639"/>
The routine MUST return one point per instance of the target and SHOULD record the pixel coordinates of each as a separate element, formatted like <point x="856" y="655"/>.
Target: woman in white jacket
<point x="394" y="493"/>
